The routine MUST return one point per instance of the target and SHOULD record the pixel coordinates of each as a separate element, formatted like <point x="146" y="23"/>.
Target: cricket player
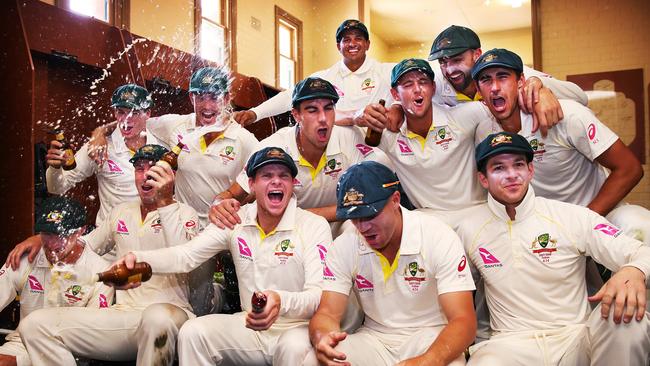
<point x="530" y="252"/>
<point x="408" y="270"/>
<point x="60" y="276"/>
<point x="568" y="162"/>
<point x="357" y="78"/>
<point x="131" y="108"/>
<point x="275" y="250"/>
<point x="144" y="322"/>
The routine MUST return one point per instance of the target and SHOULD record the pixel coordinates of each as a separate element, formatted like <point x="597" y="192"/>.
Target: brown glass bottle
<point x="258" y="302"/>
<point x="121" y="275"/>
<point x="171" y="157"/>
<point x="373" y="137"/>
<point x="69" y="163"/>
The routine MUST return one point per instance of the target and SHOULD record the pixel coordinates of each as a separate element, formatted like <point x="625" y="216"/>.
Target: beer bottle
<point x="258" y="302"/>
<point x="69" y="163"/>
<point x="171" y="157"/>
<point x="373" y="137"/>
<point x="121" y="275"/>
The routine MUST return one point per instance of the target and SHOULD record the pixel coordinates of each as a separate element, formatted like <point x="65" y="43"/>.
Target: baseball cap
<point x="351" y="24"/>
<point x="364" y="189"/>
<point x="313" y="88"/>
<point x="502" y="143"/>
<point x="452" y="41"/>
<point x="59" y="215"/>
<point x="131" y="96"/>
<point x="407" y="65"/>
<point x="149" y="152"/>
<point x="210" y="80"/>
<point x="497" y="57"/>
<point x="270" y="155"/>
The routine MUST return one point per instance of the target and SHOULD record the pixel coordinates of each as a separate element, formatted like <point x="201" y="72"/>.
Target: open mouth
<point x="208" y="114"/>
<point x="322" y="132"/>
<point x="370" y="237"/>
<point x="275" y="196"/>
<point x="456" y="76"/>
<point x="418" y="101"/>
<point x="146" y="187"/>
<point x="499" y="103"/>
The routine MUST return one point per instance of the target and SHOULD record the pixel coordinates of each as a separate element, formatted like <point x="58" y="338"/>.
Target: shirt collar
<point x="287" y="222"/>
<point x="522" y="211"/>
<point x="439" y="119"/>
<point x="367" y="65"/>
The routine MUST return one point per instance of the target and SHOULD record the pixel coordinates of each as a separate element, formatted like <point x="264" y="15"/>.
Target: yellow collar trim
<point x="420" y="139"/>
<point x="387" y="268"/>
<point x="313" y="171"/>
<point x="264" y="235"/>
<point x="464" y="98"/>
<point x="204" y="145"/>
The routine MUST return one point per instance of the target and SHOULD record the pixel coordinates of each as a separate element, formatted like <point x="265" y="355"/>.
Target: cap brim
<point x="505" y="150"/>
<point x="360" y="211"/>
<point x="431" y="74"/>
<point x="447" y="52"/>
<point x="478" y="70"/>
<point x="292" y="169"/>
<point x="317" y="96"/>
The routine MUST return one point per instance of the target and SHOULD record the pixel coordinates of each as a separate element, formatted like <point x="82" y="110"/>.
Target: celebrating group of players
<point x="488" y="175"/>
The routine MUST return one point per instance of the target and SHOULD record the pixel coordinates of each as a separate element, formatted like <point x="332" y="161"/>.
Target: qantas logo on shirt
<point x="339" y="91"/>
<point x="113" y="167"/>
<point x="363" y="284"/>
<point x="608" y="229"/>
<point x="327" y="272"/>
<point x="404" y="147"/>
<point x="121" y="227"/>
<point x="364" y="149"/>
<point x="488" y="259"/>
<point x="244" y="250"/>
<point x="34" y="285"/>
<point x="103" y="303"/>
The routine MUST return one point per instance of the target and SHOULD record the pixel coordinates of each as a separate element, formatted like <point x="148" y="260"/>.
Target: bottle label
<point x="69" y="157"/>
<point x="176" y="149"/>
<point x="59" y="136"/>
<point x="134" y="278"/>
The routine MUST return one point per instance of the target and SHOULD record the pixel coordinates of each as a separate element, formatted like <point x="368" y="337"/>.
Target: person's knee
<point x="161" y="317"/>
<point x="33" y="324"/>
<point x="191" y="331"/>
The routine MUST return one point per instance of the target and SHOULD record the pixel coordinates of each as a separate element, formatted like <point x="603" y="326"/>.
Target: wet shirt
<point x="534" y="267"/>
<point x="125" y="231"/>
<point x="356" y="89"/>
<point x="285" y="260"/>
<point x="115" y="178"/>
<point x="439" y="171"/>
<point x="316" y="186"/>
<point x="402" y="297"/>
<point x="565" y="166"/>
<point x="38" y="286"/>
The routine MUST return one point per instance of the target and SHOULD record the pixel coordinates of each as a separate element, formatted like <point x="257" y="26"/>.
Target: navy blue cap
<point x="270" y="155"/>
<point x="214" y="80"/>
<point x="497" y="57"/>
<point x="407" y="65"/>
<point x="452" y="41"/>
<point x="150" y="152"/>
<point x="59" y="215"/>
<point x="502" y="143"/>
<point x="351" y="24"/>
<point x="131" y="96"/>
<point x="364" y="189"/>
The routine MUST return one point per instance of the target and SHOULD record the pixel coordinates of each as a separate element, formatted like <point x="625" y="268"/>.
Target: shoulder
<point x="474" y="218"/>
<point x="279" y="136"/>
<point x="474" y="110"/>
<point x="310" y="220"/>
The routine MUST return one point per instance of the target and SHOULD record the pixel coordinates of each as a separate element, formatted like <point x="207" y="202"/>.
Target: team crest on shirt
<point x="443" y="137"/>
<point x="544" y="246"/>
<point x="414" y="276"/>
<point x="284" y="251"/>
<point x="327" y="272"/>
<point x="363" y="284"/>
<point x="367" y="85"/>
<point x="156" y="226"/>
<point x="404" y="147"/>
<point x="332" y="168"/>
<point x="74" y="294"/>
<point x="227" y="154"/>
<point x="539" y="148"/>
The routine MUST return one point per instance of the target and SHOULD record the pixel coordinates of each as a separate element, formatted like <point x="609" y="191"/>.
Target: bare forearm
<point x="104" y="130"/>
<point x="321" y="324"/>
<point x="328" y="212"/>
<point x="616" y="187"/>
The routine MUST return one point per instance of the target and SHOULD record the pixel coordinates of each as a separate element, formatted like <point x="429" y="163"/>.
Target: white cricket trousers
<point x="598" y="342"/>
<point x="367" y="347"/>
<point x="223" y="339"/>
<point x="54" y="336"/>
